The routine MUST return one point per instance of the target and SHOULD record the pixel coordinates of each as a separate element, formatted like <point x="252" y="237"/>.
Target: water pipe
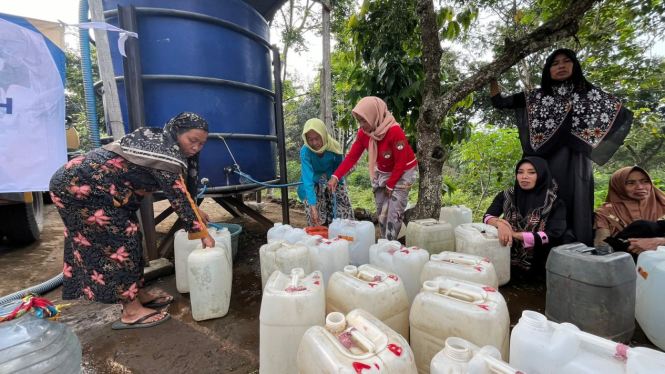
<point x="86" y="68"/>
<point x="39" y="289"/>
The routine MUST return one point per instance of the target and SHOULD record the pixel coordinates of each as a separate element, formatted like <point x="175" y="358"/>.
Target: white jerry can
<point x="360" y="235"/>
<point x="649" y="303"/>
<point x="370" y="288"/>
<point x="357" y="343"/>
<point x="460" y="266"/>
<point x="483" y="240"/>
<point x="327" y="256"/>
<point x="283" y="256"/>
<point x="210" y="277"/>
<point x="456" y="215"/>
<point x="540" y="346"/>
<point x="450" y="308"/>
<point x="406" y="262"/>
<point x="291" y="304"/>
<point x="182" y="248"/>
<point x="430" y="234"/>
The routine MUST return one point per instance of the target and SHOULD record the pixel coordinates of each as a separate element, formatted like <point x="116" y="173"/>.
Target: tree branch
<point x="632" y="152"/>
<point x="559" y="27"/>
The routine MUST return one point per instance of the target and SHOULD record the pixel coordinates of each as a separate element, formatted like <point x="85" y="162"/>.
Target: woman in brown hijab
<point x="633" y="212"/>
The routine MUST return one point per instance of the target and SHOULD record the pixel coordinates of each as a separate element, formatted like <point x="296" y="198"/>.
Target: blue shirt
<point x="313" y="167"/>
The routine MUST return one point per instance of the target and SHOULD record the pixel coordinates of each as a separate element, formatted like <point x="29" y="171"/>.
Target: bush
<point x="293" y="171"/>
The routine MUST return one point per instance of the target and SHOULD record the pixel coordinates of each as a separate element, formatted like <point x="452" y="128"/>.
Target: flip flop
<point x="119" y="325"/>
<point x="152" y="304"/>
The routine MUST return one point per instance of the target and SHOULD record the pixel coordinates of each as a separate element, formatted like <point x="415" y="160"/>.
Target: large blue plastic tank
<point x="191" y="46"/>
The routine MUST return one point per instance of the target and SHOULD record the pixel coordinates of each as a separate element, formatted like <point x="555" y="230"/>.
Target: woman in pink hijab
<point x="392" y="164"/>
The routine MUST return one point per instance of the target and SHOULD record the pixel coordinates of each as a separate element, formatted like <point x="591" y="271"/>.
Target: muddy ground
<point x="181" y="345"/>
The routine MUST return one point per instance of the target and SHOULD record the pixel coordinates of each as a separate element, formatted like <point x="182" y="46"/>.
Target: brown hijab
<point x="375" y="112"/>
<point x="619" y="210"/>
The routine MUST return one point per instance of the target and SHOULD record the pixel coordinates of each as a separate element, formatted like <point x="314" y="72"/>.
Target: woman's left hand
<point x="204" y="216"/>
<point x="388" y="192"/>
<point x="638" y="246"/>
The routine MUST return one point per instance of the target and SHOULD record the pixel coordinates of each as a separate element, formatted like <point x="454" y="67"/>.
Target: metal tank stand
<point x="229" y="198"/>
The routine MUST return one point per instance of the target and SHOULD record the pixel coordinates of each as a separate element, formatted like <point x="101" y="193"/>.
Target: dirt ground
<point x="182" y="345"/>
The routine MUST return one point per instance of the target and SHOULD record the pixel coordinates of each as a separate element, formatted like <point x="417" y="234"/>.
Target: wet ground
<point x="182" y="345"/>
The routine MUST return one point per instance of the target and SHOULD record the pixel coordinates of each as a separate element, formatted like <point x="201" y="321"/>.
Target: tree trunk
<point x="431" y="153"/>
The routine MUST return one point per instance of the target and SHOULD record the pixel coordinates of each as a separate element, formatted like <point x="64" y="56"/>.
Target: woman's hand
<point x="638" y="246"/>
<point x="208" y="241"/>
<point x="316" y="220"/>
<point x="204" y="216"/>
<point x="518" y="236"/>
<point x="332" y="184"/>
<point x="388" y="192"/>
<point x="505" y="235"/>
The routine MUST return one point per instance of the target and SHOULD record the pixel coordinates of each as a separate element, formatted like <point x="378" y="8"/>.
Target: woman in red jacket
<point x="392" y="164"/>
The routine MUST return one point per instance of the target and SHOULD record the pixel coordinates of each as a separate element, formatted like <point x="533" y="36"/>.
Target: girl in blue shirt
<point x="319" y="158"/>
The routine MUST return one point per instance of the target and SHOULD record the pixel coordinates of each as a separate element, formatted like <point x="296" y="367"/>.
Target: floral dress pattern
<point x="97" y="196"/>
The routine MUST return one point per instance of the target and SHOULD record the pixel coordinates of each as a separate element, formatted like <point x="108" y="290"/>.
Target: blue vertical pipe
<point x="86" y="68"/>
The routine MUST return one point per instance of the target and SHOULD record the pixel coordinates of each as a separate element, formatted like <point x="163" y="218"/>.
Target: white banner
<point x="32" y="107"/>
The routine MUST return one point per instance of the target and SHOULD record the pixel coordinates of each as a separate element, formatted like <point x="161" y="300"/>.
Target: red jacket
<point x="394" y="155"/>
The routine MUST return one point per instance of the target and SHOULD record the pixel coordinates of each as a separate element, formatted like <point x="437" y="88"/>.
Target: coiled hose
<point x="39" y="289"/>
<point x="86" y="68"/>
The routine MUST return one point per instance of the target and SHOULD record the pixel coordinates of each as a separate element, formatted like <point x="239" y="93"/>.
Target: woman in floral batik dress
<point x="98" y="195"/>
<point x="569" y="122"/>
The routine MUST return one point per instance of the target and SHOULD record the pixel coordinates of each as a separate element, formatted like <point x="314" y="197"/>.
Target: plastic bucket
<point x="235" y="231"/>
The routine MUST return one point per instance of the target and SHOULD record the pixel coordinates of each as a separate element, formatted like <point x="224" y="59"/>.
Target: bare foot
<point x="146" y="297"/>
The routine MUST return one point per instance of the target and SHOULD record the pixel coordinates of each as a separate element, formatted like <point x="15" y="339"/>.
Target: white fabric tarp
<point x="32" y="107"/>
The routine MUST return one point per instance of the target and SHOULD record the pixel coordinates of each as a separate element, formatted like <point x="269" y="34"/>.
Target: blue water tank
<point x="210" y="57"/>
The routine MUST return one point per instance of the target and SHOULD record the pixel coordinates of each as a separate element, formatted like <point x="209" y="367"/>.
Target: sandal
<point x="119" y="325"/>
<point x="152" y="304"/>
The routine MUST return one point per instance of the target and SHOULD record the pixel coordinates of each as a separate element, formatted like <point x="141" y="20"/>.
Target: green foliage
<point x="293" y="171"/>
<point x="485" y="164"/>
<point x="360" y="178"/>
<point x="75" y="96"/>
<point x="383" y="45"/>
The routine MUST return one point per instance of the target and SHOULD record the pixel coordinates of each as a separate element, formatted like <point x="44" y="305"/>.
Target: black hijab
<point x="574" y="112"/>
<point x="577" y="77"/>
<point x="158" y="148"/>
<point x="528" y="210"/>
<point x="537" y="198"/>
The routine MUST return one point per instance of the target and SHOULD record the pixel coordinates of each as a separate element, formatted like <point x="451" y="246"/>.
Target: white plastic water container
<point x="277" y="231"/>
<point x="374" y="248"/>
<point x="540" y="346"/>
<point x="460" y="356"/>
<point x="286" y="232"/>
<point x="360" y="235"/>
<point x="456" y="215"/>
<point x="280" y="255"/>
<point x="430" y="234"/>
<point x="356" y="344"/>
<point x="372" y="289"/>
<point x="31" y="345"/>
<point x="291" y="304"/>
<point x="182" y="248"/>
<point x="223" y="235"/>
<point x="210" y="276"/>
<point x="460" y="266"/>
<point x="483" y="240"/>
<point x="451" y="308"/>
<point x="406" y="262"/>
<point x="328" y="256"/>
<point x="650" y="303"/>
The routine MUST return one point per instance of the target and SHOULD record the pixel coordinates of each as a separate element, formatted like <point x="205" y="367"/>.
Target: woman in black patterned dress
<point x="569" y="122"/>
<point x="98" y="195"/>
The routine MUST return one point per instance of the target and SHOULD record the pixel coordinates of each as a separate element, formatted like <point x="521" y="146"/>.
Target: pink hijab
<point x="375" y="112"/>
